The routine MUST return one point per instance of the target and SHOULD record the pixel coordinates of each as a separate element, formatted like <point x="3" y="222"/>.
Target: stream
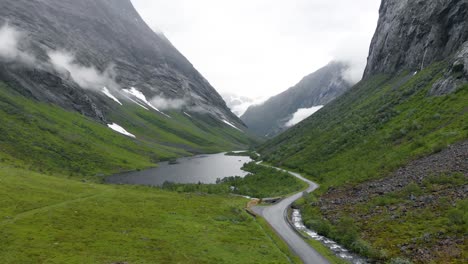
<point x="339" y="250"/>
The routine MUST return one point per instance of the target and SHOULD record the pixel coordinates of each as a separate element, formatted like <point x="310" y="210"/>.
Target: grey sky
<point x="262" y="47"/>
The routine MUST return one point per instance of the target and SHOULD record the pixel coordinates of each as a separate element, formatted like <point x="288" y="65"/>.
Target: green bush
<point x="261" y="182"/>
<point x="399" y="261"/>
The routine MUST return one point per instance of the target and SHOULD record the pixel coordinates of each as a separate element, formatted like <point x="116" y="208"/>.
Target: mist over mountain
<point x="65" y="52"/>
<point x="297" y="103"/>
<point x="238" y="103"/>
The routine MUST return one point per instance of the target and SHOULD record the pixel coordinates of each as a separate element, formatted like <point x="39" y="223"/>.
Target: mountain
<point x="390" y="153"/>
<point x="102" y="34"/>
<point x="411" y="35"/>
<point x="71" y="67"/>
<point x="317" y="89"/>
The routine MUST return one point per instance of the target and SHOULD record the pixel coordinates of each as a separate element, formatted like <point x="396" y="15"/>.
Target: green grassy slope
<point x="46" y="219"/>
<point x="46" y="138"/>
<point x="377" y="127"/>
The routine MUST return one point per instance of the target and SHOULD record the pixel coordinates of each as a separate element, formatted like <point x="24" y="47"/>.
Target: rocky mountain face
<point x="412" y="34"/>
<point x="68" y="51"/>
<point x="316" y="89"/>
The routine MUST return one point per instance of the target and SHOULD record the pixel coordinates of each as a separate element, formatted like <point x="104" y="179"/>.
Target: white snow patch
<point x="108" y="94"/>
<point x="146" y="108"/>
<point x="120" y="130"/>
<point x="133" y="91"/>
<point x="185" y="113"/>
<point x="302" y="114"/>
<point x="416" y="72"/>
<point x="230" y="124"/>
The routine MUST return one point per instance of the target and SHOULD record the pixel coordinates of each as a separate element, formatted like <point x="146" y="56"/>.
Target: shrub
<point x="399" y="261"/>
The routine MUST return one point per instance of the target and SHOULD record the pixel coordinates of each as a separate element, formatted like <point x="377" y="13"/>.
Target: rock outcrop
<point x="412" y="34"/>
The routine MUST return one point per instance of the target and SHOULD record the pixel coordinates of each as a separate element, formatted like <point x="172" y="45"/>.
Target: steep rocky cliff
<point x="412" y="34"/>
<point x="317" y="89"/>
<point x="106" y="38"/>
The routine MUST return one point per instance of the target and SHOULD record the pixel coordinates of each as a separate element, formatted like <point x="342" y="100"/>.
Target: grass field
<point x="46" y="219"/>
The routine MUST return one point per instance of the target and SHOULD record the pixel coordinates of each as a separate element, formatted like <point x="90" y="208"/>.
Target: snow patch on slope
<point x="108" y="94"/>
<point x="231" y="125"/>
<point x="120" y="130"/>
<point x="140" y="96"/>
<point x="301" y="114"/>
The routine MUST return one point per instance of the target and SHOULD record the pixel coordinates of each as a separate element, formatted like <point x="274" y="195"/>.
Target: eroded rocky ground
<point x="416" y="206"/>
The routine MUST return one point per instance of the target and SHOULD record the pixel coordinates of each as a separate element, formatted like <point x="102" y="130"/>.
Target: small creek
<point x="339" y="250"/>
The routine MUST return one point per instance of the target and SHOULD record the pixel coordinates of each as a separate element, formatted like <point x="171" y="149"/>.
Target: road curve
<point x="276" y="216"/>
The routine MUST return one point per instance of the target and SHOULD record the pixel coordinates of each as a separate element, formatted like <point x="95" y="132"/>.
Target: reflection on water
<point x="332" y="245"/>
<point x="202" y="168"/>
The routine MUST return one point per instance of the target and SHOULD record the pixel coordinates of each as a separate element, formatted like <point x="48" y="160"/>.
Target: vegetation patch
<point x="261" y="182"/>
<point x="252" y="154"/>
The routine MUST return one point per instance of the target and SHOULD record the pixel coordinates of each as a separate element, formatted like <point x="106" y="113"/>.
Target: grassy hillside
<point x="46" y="138"/>
<point x="46" y="219"/>
<point x="372" y="130"/>
<point x="380" y="125"/>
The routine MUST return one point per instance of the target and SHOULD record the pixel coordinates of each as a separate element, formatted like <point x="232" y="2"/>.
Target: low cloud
<point x="302" y="114"/>
<point x="353" y="51"/>
<point x="240" y="104"/>
<point x="85" y="77"/>
<point x="163" y="103"/>
<point x="10" y="39"/>
<point x="15" y="48"/>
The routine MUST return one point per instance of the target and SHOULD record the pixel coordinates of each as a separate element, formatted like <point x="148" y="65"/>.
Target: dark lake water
<point x="201" y="168"/>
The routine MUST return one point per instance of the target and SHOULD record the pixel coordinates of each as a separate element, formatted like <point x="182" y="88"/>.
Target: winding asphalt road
<point x="276" y="216"/>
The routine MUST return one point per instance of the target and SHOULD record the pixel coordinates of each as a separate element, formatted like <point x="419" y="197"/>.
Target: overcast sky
<point x="262" y="47"/>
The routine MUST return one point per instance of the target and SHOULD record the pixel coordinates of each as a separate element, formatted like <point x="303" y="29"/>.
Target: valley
<point x="115" y="149"/>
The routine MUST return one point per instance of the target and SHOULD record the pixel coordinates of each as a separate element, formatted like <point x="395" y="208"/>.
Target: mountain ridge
<point x="317" y="89"/>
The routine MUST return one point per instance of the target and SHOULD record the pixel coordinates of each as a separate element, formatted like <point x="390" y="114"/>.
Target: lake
<point x="201" y="168"/>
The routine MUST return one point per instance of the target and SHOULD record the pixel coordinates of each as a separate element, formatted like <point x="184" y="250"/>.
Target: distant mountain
<point x="286" y="109"/>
